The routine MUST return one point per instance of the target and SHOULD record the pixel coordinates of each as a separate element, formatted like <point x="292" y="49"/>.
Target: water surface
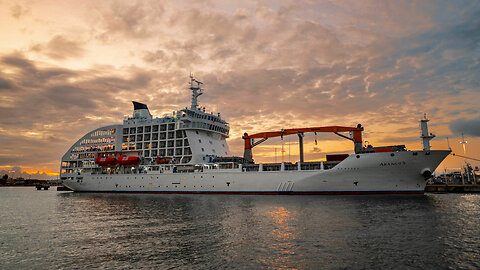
<point x="49" y="229"/>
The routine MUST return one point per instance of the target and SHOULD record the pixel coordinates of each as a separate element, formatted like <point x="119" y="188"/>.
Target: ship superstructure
<point x="187" y="152"/>
<point x="187" y="136"/>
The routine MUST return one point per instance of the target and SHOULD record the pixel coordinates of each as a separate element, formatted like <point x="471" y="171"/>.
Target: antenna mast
<point x="426" y="137"/>
<point x="196" y="91"/>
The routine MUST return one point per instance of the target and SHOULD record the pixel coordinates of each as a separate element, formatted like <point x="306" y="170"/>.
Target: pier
<point x="453" y="188"/>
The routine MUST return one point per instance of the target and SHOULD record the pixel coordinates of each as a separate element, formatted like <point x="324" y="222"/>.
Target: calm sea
<point x="51" y="230"/>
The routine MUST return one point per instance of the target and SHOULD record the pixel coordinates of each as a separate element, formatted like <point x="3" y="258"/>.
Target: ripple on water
<point x="45" y="229"/>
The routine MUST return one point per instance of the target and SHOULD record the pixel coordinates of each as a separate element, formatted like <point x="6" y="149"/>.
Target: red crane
<point x="263" y="136"/>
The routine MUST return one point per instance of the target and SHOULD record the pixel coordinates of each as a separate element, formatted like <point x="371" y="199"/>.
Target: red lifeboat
<point x="105" y="161"/>
<point x="163" y="160"/>
<point x="128" y="160"/>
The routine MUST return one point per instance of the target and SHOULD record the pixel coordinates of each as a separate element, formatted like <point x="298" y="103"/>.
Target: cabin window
<point x="139" y="137"/>
<point x="132" y="130"/>
<point x="154" y="153"/>
<point x="125" y="131"/>
<point x="148" y="129"/>
<point x="140" y="130"/>
<point x="203" y="150"/>
<point x="200" y="141"/>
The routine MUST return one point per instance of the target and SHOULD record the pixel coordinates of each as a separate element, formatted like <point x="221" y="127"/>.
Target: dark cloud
<point x="469" y="127"/>
<point x="4" y="84"/>
<point x="60" y="48"/>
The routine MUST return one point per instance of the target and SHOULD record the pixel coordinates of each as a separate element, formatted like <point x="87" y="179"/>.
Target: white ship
<point x="187" y="152"/>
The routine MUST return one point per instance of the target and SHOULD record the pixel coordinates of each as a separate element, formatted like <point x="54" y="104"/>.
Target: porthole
<point x="392" y="154"/>
<point x="358" y="156"/>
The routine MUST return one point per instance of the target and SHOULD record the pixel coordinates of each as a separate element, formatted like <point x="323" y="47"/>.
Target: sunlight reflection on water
<point x="45" y="229"/>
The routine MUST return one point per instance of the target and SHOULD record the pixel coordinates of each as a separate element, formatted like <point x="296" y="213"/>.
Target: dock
<point x="452" y="188"/>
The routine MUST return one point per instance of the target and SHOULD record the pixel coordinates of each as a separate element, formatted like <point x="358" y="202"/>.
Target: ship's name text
<point x="393" y="163"/>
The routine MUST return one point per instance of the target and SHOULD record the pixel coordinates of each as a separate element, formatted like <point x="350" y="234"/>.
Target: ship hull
<point x="372" y="173"/>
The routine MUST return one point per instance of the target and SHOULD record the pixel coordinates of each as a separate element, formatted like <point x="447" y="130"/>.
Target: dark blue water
<point x="49" y="229"/>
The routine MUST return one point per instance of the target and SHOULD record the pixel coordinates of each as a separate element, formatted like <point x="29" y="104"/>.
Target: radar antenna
<point x="196" y="91"/>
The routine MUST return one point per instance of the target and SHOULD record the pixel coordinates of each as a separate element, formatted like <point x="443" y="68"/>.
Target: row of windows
<point x="92" y="148"/>
<point x="153" y="136"/>
<point x="168" y="152"/>
<point x="148" y="129"/>
<point x="147" y="146"/>
<point x="156" y="144"/>
<point x="103" y="132"/>
<point x="98" y="140"/>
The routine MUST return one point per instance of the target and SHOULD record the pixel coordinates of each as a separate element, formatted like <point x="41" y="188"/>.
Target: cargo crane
<point x="263" y="136"/>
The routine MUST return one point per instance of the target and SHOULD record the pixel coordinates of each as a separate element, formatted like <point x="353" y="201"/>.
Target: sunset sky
<point x="68" y="67"/>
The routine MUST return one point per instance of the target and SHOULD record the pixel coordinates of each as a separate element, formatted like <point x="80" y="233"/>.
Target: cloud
<point x="18" y="11"/>
<point x="265" y="67"/>
<point x="469" y="127"/>
<point x="60" y="48"/>
<point x="133" y="19"/>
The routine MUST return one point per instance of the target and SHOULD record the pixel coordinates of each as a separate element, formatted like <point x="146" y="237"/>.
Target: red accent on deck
<point x="128" y="160"/>
<point x="267" y="193"/>
<point x="105" y="161"/>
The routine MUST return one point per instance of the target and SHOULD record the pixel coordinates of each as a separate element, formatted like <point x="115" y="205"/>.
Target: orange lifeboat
<point x="128" y="160"/>
<point x="163" y="160"/>
<point x="105" y="161"/>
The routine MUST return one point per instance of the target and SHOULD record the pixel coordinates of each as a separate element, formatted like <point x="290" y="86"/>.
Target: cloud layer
<point x="265" y="66"/>
<point x="468" y="127"/>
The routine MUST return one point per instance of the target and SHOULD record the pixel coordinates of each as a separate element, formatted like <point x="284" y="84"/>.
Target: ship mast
<point x="426" y="137"/>
<point x="196" y="91"/>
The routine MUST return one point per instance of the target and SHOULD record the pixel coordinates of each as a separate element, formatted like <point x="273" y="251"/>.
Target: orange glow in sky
<point x="68" y="67"/>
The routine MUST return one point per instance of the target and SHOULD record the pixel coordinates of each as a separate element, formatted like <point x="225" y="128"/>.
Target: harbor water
<point x="57" y="230"/>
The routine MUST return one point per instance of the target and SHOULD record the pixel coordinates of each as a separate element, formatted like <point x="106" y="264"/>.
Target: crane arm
<point x="249" y="144"/>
